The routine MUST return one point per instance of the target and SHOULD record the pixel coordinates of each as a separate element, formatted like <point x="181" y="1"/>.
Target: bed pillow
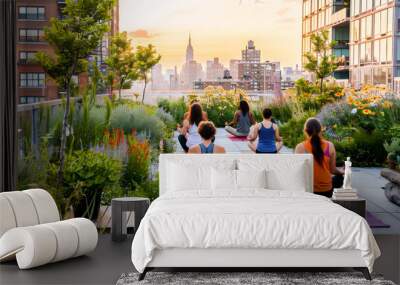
<point x="184" y="175"/>
<point x="184" y="178"/>
<point x="283" y="172"/>
<point x="251" y="179"/>
<point x="223" y="179"/>
<point x="293" y="180"/>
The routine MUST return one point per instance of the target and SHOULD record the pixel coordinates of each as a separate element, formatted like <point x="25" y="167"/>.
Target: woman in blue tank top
<point x="267" y="132"/>
<point x="207" y="132"/>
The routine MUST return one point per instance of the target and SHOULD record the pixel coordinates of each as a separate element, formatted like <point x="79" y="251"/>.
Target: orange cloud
<point x="141" y="33"/>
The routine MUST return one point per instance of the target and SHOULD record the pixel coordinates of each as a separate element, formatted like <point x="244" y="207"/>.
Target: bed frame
<point x="260" y="259"/>
<point x="244" y="259"/>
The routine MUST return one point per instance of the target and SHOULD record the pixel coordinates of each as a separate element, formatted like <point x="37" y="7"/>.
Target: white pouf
<point x="31" y="232"/>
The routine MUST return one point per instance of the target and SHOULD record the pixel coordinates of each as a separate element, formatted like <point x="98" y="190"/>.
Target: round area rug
<point x="244" y="278"/>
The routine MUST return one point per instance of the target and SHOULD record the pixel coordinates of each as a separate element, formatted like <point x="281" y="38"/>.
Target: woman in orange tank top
<point x="324" y="159"/>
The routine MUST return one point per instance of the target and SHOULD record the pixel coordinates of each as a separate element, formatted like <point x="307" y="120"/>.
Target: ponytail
<point x="317" y="150"/>
<point x="313" y="129"/>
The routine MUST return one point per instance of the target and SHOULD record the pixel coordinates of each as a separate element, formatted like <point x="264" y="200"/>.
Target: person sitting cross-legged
<point x="207" y="132"/>
<point x="242" y="121"/>
<point x="326" y="175"/>
<point x="267" y="133"/>
<point x="189" y="135"/>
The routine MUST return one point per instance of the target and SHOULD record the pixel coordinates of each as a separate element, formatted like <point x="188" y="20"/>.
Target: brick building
<point x="33" y="85"/>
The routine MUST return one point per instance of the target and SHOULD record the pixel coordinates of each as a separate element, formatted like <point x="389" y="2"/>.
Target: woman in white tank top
<point x="190" y="128"/>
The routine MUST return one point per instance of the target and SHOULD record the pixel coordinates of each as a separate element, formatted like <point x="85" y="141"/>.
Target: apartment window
<point x="377" y="25"/>
<point x="321" y="3"/>
<point x="380" y="2"/>
<point x="398" y="25"/>
<point x="321" y="19"/>
<point x="398" y="49"/>
<point x="369" y="4"/>
<point x="390" y="20"/>
<point x="356" y="30"/>
<point x="356" y="55"/>
<point x="328" y="13"/>
<point x="383" y="51"/>
<point x="314" y="5"/>
<point x="307" y="8"/>
<point x="29" y="99"/>
<point x="362" y="54"/>
<point x="363" y="6"/>
<point x="368" y="27"/>
<point x="31" y="35"/>
<point x="389" y="49"/>
<point x="362" y="28"/>
<point x="368" y="52"/>
<point x="314" y="23"/>
<point x="384" y="22"/>
<point x="32" y="79"/>
<point x="356" y="7"/>
<point x="26" y="56"/>
<point x="31" y="13"/>
<point x="376" y="51"/>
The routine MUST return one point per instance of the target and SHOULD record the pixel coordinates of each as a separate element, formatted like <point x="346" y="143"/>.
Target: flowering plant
<point x="220" y="104"/>
<point x="369" y="101"/>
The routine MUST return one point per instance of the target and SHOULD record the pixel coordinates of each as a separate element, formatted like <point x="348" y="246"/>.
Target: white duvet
<point x="250" y="219"/>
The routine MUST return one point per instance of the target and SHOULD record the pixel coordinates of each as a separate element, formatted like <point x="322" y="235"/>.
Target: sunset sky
<point x="219" y="28"/>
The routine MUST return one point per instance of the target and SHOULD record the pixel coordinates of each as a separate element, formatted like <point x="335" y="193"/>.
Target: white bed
<point x="201" y="219"/>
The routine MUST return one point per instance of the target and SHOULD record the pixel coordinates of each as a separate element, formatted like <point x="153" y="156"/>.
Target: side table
<point x="119" y="207"/>
<point x="356" y="205"/>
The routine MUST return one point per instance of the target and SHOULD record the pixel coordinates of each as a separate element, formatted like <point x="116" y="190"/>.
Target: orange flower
<point x="340" y="94"/>
<point x="368" y="112"/>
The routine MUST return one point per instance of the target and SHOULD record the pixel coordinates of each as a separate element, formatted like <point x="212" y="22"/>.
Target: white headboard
<point x="211" y="159"/>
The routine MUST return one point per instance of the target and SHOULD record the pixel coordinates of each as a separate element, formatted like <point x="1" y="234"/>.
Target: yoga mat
<point x="375" y="222"/>
<point x="237" y="139"/>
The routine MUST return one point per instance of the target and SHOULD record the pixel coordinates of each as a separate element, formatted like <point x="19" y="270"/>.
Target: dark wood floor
<point x="103" y="266"/>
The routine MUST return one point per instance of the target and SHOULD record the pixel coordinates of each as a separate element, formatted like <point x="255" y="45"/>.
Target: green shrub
<point x="147" y="126"/>
<point x="281" y="110"/>
<point x="310" y="97"/>
<point x="86" y="175"/>
<point x="292" y="132"/>
<point x="394" y="131"/>
<point x="364" y="148"/>
<point x="177" y="108"/>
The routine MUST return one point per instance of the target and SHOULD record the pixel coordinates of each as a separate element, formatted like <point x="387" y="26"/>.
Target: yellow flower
<point x="387" y="104"/>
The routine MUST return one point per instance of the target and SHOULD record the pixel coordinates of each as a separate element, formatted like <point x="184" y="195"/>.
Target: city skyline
<point x="218" y="28"/>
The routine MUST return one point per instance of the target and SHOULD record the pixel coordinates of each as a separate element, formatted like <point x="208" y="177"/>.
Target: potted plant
<point x="89" y="173"/>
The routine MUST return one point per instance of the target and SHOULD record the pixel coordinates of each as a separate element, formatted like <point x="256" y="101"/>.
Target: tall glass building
<point x="368" y="36"/>
<point x="333" y="16"/>
<point x="374" y="42"/>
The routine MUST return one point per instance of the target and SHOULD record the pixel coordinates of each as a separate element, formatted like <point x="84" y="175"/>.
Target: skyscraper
<point x="261" y="76"/>
<point x="191" y="70"/>
<point x="189" y="50"/>
<point x="234" y="68"/>
<point x="157" y="78"/>
<point x="250" y="53"/>
<point x="215" y="70"/>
